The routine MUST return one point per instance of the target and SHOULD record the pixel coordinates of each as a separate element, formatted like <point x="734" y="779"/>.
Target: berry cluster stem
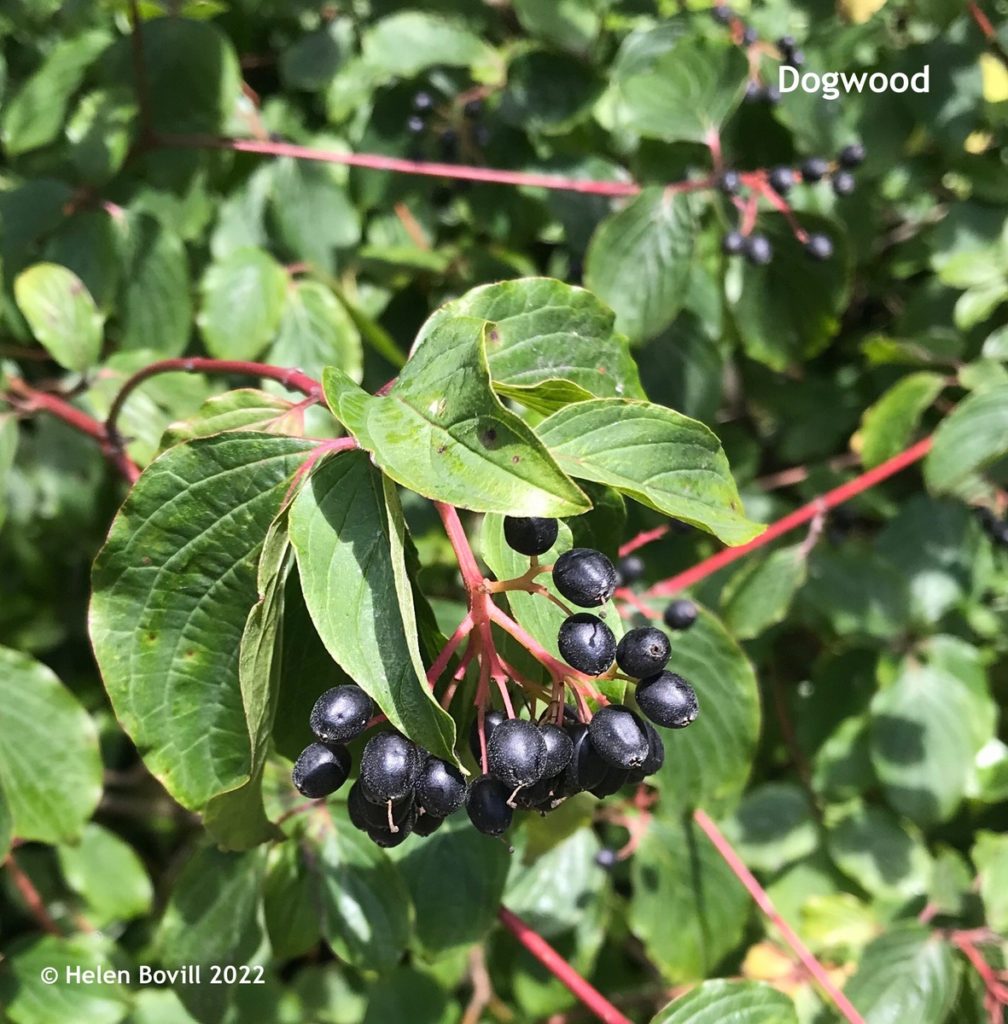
<point x="33" y="901"/>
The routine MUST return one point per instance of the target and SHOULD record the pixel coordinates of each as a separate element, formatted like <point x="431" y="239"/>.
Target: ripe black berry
<point x="680" y="614"/>
<point x="586" y="768"/>
<point x="585" y="577"/>
<point x="758" y="250"/>
<point x="416" y="125"/>
<point x="587" y="644"/>
<point x="643" y="652"/>
<point x="473" y="109"/>
<point x="655" y="757"/>
<point x="491" y="720"/>
<point x="448" y="144"/>
<point x="781" y="180"/>
<point x="389" y="767"/>
<point x="843" y="183"/>
<point x="668" y="700"/>
<point x="819" y="247"/>
<point x="733" y="243"/>
<point x="629" y="569"/>
<point x="729" y="182"/>
<point x="851" y="155"/>
<point x="754" y="92"/>
<point x="487" y="805"/>
<point x="606" y="858"/>
<point x="386" y="839"/>
<point x="531" y="535"/>
<point x="619" y="737"/>
<point x="814" y="169"/>
<point x="427" y="824"/>
<point x="786" y="44"/>
<point x="321" y="770"/>
<point x="516" y="753"/>
<point x="341" y="714"/>
<point x="795" y="59"/>
<point x="559" y="749"/>
<point x="422" y="102"/>
<point x="612" y="782"/>
<point x="366" y="815"/>
<point x="440" y="788"/>
<point x="749" y="35"/>
<point x="722" y="13"/>
<point x="771" y="95"/>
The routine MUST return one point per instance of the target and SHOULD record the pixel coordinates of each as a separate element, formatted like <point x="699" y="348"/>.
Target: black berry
<point x="586" y="768"/>
<point x="668" y="700"/>
<point x="416" y="125"/>
<point x="389" y="767"/>
<point x="786" y="44"/>
<point x="366" y="815"/>
<point x="387" y="839"/>
<point x="427" y="824"/>
<point x="733" y="243"/>
<point x="729" y="182"/>
<point x="758" y="250"/>
<point x="473" y="109"/>
<point x="606" y="858"/>
<point x="643" y="652"/>
<point x="585" y="577"/>
<point x="815" y="168"/>
<point x="341" y="714"/>
<point x="587" y="644"/>
<point x="619" y="737"/>
<point x="487" y="805"/>
<point x="781" y="180"/>
<point x="516" y="753"/>
<point x="422" y="102"/>
<point x="491" y="720"/>
<point x="440" y="788"/>
<point x="559" y="749"/>
<point x="722" y="13"/>
<point x="612" y="782"/>
<point x="321" y="770"/>
<point x="530" y="536"/>
<point x="754" y="92"/>
<point x="819" y="247"/>
<point x="655" y="757"/>
<point x="680" y="614"/>
<point x="448" y="144"/>
<point x="851" y="155"/>
<point x="749" y="35"/>
<point x="629" y="569"/>
<point x="771" y="95"/>
<point x="843" y="183"/>
<point x="795" y="59"/>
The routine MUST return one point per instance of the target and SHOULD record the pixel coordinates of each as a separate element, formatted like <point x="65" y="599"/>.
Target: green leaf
<point x="787" y="311"/>
<point x="640" y="259"/>
<point x="292" y="918"/>
<point x="870" y="846"/>
<point x="971" y="437"/>
<point x="100" y="131"/>
<point x="8" y="449"/>
<point x="34" y="116"/>
<point x="458" y="907"/>
<point x="365" y="906"/>
<point x="570" y="24"/>
<point x="683" y="92"/>
<point x="548" y="92"/>
<point x="90" y="243"/>
<point x="729" y="1002"/>
<point x="409" y="994"/>
<point x="906" y="974"/>
<point x="546" y="335"/>
<point x="888" y="424"/>
<point x="990" y="855"/>
<point x="923" y="742"/>
<point x="243" y="409"/>
<point x="50" y="767"/>
<point x="708" y="763"/>
<point x="173" y="587"/>
<point x="772" y="826"/>
<point x="27" y="999"/>
<point x="155" y="305"/>
<point x="442" y="432"/>
<point x="348" y="532"/>
<point x="408" y="42"/>
<point x="61" y="313"/>
<point x="654" y="455"/>
<point x="687" y="907"/>
<point x="243" y="301"/>
<point x="107" y="873"/>
<point x="759" y="595"/>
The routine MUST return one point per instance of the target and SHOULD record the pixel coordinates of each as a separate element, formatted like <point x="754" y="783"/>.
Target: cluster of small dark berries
<point x="401" y="788"/>
<point x="790" y="54"/>
<point x="448" y="129"/>
<point x="995" y="527"/>
<point x="815" y="168"/>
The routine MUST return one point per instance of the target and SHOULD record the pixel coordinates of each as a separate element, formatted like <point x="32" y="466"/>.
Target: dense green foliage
<point x="162" y="645"/>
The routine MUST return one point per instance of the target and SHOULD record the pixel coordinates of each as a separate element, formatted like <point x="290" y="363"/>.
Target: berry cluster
<point x="454" y="125"/>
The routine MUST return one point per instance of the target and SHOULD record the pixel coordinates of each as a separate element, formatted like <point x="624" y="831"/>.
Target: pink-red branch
<point x="865" y="481"/>
<point x="763" y="901"/>
<point x="560" y="969"/>
<point x="33" y="901"/>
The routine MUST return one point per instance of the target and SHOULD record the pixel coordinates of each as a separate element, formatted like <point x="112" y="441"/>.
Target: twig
<point x="34" y="902"/>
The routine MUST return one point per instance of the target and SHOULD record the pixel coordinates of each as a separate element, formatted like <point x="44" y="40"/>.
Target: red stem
<point x="34" y="902"/>
<point x="801" y="515"/>
<point x="763" y="901"/>
<point x="647" y="537"/>
<point x="441" y="661"/>
<point x="560" y="969"/>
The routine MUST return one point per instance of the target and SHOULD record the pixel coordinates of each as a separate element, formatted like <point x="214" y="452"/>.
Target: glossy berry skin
<point x="516" y="753"/>
<point x="758" y="250"/>
<point x="386" y="839"/>
<point x="843" y="183"/>
<point x="815" y="168"/>
<point x="389" y="767"/>
<point x="416" y="125"/>
<point x="531" y="535"/>
<point x="585" y="577"/>
<point x="786" y="44"/>
<point x="668" y="700"/>
<point x="795" y="59"/>
<point x="729" y="182"/>
<point x="819" y="247"/>
<point x="491" y="720"/>
<point x="606" y="858"/>
<point x="366" y="815"/>
<point x="655" y="757"/>
<point x="722" y="13"/>
<point x="619" y="737"/>
<point x="612" y="782"/>
<point x="851" y="155"/>
<point x="630" y="569"/>
<point x="422" y="102"/>
<point x="680" y="614"/>
<point x="587" y="644"/>
<point x="749" y="35"/>
<point x="733" y="243"/>
<point x="427" y="824"/>
<point x="586" y="768"/>
<point x="643" y="652"/>
<point x="341" y="714"/>
<point x="559" y="749"/>
<point x="440" y="788"/>
<point x="321" y="770"/>
<point x="781" y="180"/>
<point x="487" y="806"/>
